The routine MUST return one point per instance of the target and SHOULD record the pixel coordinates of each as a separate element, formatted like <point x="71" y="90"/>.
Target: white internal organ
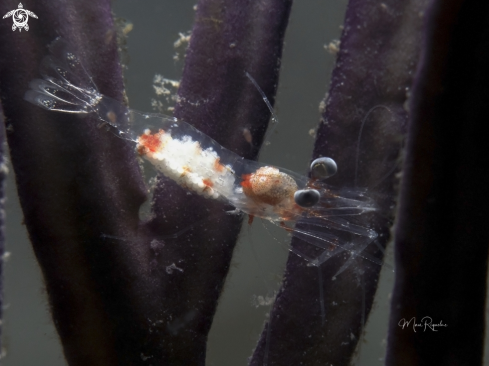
<point x="184" y="161"/>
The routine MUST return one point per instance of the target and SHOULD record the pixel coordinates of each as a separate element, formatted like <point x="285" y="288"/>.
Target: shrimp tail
<point x="65" y="85"/>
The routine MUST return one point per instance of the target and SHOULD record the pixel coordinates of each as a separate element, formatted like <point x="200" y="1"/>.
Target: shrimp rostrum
<point x="200" y="165"/>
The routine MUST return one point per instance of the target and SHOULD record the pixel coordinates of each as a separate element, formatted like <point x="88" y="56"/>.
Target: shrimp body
<point x="201" y="165"/>
<point x="192" y="161"/>
<point x="265" y="192"/>
<point x="185" y="162"/>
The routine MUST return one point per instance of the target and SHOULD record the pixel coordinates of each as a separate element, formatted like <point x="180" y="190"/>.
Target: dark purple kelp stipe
<point x="76" y="183"/>
<point x="442" y="239"/>
<point x="3" y="179"/>
<point x="362" y="129"/>
<point x="114" y="301"/>
<point x="228" y="38"/>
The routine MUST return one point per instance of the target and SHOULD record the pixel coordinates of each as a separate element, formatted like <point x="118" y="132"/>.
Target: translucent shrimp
<point x="199" y="164"/>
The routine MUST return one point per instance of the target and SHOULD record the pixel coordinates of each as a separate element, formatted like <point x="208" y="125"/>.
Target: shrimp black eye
<point x="323" y="168"/>
<point x="306" y="197"/>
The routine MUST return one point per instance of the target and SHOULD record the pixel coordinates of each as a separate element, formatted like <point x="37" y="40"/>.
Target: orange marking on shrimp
<point x="333" y="246"/>
<point x="186" y="170"/>
<point x="207" y="182"/>
<point x="150" y="142"/>
<point x="207" y="185"/>
<point x="250" y="219"/>
<point x="288" y="229"/>
<point x="245" y="183"/>
<point x="218" y="167"/>
<point x="142" y="150"/>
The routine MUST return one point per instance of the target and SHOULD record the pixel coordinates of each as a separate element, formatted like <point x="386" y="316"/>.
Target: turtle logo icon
<point x="20" y="17"/>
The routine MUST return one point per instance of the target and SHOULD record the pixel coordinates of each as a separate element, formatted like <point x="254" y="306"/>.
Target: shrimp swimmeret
<point x="199" y="164"/>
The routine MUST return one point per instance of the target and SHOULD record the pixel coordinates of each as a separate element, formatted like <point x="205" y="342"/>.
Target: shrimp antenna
<point x="267" y="102"/>
<point x="357" y="155"/>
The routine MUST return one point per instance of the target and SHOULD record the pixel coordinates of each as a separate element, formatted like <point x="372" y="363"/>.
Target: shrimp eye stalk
<point x="307" y="197"/>
<point x="322" y="168"/>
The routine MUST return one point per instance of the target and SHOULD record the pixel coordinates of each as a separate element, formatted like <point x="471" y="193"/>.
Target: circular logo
<point x="20" y="17"/>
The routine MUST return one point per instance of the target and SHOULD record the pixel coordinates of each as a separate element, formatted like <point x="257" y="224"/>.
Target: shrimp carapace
<point x="269" y="185"/>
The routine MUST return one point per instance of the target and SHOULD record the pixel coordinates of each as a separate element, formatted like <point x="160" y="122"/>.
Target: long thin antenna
<point x="265" y="99"/>
<point x="360" y="137"/>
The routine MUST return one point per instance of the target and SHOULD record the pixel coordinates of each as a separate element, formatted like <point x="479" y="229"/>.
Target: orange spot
<point x="314" y="183"/>
<point x="186" y="170"/>
<point x="288" y="229"/>
<point x="246" y="180"/>
<point x="142" y="150"/>
<point x="250" y="219"/>
<point x="218" y="167"/>
<point x="150" y="142"/>
<point x="207" y="182"/>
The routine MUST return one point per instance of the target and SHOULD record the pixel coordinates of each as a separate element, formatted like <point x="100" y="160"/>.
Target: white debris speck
<point x="144" y="357"/>
<point x="181" y="45"/>
<point x="161" y="84"/>
<point x="6" y="256"/>
<point x="322" y="106"/>
<point x="183" y="40"/>
<point x="259" y="300"/>
<point x="172" y="267"/>
<point x="333" y="47"/>
<point x="127" y="28"/>
<point x="167" y="89"/>
<point x="4" y="168"/>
